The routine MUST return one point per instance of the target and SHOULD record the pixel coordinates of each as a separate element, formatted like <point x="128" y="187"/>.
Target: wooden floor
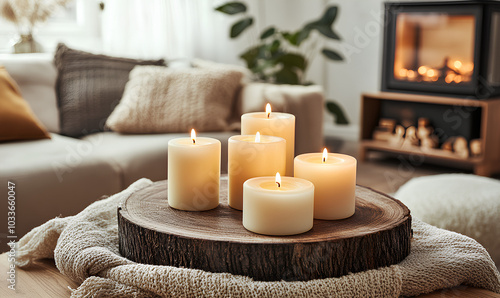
<point x="386" y="173"/>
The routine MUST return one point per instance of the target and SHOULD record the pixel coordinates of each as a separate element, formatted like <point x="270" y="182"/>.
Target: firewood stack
<point x="423" y="136"/>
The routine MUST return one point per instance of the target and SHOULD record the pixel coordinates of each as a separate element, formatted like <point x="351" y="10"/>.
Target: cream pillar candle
<point x="193" y="173"/>
<point x="334" y="179"/>
<point x="252" y="156"/>
<point x="273" y="124"/>
<point x="278" y="207"/>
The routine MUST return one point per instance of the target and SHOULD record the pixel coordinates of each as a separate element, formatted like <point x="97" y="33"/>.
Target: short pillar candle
<point x="193" y="173"/>
<point x="272" y="124"/>
<point x="334" y="179"/>
<point x="278" y="207"/>
<point x="252" y="156"/>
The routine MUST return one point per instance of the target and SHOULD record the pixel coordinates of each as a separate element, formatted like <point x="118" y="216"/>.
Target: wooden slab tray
<point x="151" y="232"/>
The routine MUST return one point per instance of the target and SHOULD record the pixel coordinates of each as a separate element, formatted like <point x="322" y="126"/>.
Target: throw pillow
<point x="207" y="64"/>
<point x="88" y="88"/>
<point x="17" y="120"/>
<point x="163" y="100"/>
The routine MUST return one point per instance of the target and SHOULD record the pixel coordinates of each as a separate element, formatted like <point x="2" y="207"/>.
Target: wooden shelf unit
<point x="485" y="165"/>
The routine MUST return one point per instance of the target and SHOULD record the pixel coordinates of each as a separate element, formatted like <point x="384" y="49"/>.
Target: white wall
<point x="360" y="23"/>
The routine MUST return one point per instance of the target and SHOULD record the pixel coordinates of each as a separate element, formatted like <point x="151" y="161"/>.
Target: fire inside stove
<point x="434" y="48"/>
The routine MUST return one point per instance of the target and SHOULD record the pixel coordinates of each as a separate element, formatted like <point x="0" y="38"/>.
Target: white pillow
<point x="162" y="100"/>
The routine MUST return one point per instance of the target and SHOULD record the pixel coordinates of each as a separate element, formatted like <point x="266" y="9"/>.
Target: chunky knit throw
<point x="85" y="248"/>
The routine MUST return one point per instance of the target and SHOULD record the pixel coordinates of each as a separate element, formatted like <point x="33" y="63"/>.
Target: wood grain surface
<point x="42" y="279"/>
<point x="151" y="232"/>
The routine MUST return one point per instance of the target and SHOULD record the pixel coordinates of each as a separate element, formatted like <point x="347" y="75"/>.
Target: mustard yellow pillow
<point x="17" y="120"/>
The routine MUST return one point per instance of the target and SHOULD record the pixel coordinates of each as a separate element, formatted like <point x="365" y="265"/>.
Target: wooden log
<point x="410" y="137"/>
<point x="151" y="232"/>
<point x="476" y="147"/>
<point x="398" y="136"/>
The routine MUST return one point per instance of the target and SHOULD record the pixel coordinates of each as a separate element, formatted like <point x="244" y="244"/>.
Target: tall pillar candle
<point x="193" y="173"/>
<point x="278" y="205"/>
<point x="334" y="179"/>
<point x="273" y="124"/>
<point x="252" y="156"/>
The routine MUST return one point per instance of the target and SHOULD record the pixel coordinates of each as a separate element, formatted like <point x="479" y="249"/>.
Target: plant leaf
<point x="263" y="51"/>
<point x="232" y="8"/>
<point x="327" y="31"/>
<point x="250" y="57"/>
<point x="291" y="38"/>
<point x="277" y="54"/>
<point x="303" y="35"/>
<point x="329" y="16"/>
<point x="332" y="55"/>
<point x="336" y="110"/>
<point x="268" y="32"/>
<point x="287" y="76"/>
<point x="293" y="60"/>
<point x="240" y="26"/>
<point x="324" y="24"/>
<point x="274" y="46"/>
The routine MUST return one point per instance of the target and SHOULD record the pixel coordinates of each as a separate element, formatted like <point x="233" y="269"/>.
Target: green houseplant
<point x="283" y="57"/>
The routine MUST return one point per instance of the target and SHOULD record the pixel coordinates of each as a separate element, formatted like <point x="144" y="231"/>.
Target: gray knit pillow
<point x="89" y="87"/>
<point x="161" y="100"/>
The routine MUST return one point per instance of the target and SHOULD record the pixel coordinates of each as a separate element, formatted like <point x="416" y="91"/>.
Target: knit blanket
<point x="85" y="248"/>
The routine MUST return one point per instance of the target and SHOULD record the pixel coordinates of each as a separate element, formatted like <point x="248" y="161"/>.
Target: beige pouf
<point x="466" y="204"/>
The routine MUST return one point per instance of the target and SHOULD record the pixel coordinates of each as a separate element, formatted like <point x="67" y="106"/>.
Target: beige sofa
<point x="63" y="175"/>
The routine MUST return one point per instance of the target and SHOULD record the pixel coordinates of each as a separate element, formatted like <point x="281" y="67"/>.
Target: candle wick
<point x="324" y="159"/>
<point x="194" y="141"/>
<point x="279" y="185"/>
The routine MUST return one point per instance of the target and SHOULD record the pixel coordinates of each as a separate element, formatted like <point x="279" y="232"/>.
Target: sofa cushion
<point x="161" y="100"/>
<point x="53" y="177"/>
<point x="17" y="120"/>
<point x="88" y="88"/>
<point x="35" y="74"/>
<point x="144" y="155"/>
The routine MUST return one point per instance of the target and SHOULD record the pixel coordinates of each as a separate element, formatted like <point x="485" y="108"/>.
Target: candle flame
<point x="278" y="179"/>
<point x="193" y="136"/>
<point x="268" y="110"/>
<point x="257" y="137"/>
<point x="325" y="155"/>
